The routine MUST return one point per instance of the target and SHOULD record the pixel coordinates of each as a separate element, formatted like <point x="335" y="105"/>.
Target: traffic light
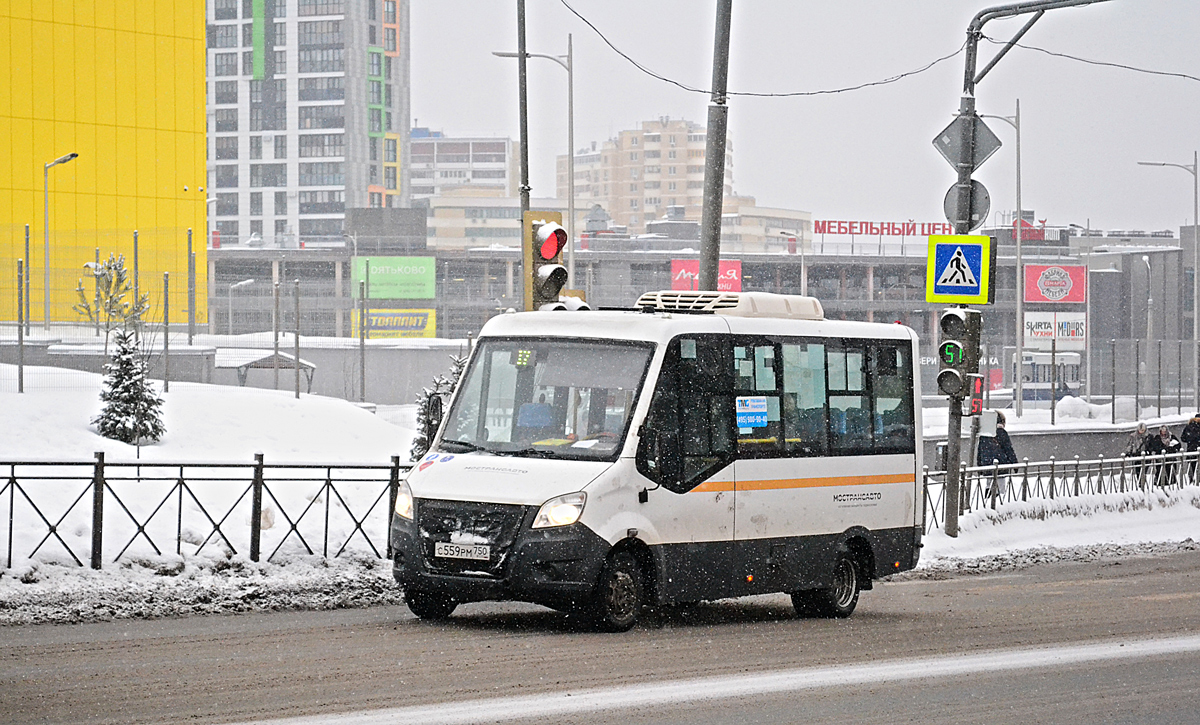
<point x="544" y="274"/>
<point x="958" y="350"/>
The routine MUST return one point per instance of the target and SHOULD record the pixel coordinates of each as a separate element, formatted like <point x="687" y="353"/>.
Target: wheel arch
<point x="856" y="541"/>
<point x="648" y="565"/>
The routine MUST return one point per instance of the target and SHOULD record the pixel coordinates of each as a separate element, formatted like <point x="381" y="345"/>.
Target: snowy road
<point x="265" y="666"/>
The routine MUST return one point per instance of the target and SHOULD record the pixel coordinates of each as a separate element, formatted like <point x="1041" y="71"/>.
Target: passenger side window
<point x="803" y="400"/>
<point x="849" y="401"/>
<point x="757" y="405"/>
<point x="891" y="382"/>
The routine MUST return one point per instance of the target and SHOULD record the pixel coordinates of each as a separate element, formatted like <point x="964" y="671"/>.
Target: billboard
<point x="395" y="278"/>
<point x="685" y="275"/>
<point x="1056" y="283"/>
<point x="383" y="324"/>
<point x="1068" y="328"/>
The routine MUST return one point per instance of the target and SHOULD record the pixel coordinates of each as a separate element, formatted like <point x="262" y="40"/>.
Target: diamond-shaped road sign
<point x="949" y="142"/>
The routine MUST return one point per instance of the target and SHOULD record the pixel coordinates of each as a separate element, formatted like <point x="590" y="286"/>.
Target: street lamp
<point x="1149" y="301"/>
<point x="567" y="62"/>
<point x="46" y="228"/>
<point x="1015" y="122"/>
<point x="1191" y="169"/>
<point x="799" y="237"/>
<point x="232" y="287"/>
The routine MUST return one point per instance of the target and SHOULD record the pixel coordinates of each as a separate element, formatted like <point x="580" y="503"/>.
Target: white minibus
<point x="699" y="446"/>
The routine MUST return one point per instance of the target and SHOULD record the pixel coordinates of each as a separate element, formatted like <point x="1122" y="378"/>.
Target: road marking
<point x="577" y="702"/>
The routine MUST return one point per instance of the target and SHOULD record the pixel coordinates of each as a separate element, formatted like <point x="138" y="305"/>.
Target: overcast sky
<point x="861" y="155"/>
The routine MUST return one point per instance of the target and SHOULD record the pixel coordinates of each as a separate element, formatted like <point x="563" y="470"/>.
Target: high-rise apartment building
<point x="640" y="173"/>
<point x="308" y="108"/>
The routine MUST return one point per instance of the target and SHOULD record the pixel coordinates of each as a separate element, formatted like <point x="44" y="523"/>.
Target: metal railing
<point x="78" y="510"/>
<point x="991" y="486"/>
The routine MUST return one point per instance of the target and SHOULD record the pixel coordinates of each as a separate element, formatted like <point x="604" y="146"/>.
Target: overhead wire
<point x="860" y="86"/>
<point x="792" y="94"/>
<point x="1105" y="63"/>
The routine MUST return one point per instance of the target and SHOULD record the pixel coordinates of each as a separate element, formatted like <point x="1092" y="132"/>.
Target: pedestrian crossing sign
<point x="959" y="269"/>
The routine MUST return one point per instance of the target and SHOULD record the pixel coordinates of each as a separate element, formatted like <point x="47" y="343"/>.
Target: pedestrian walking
<point x="1191" y="439"/>
<point x="1136" y="445"/>
<point x="996" y="449"/>
<point x="1163" y="444"/>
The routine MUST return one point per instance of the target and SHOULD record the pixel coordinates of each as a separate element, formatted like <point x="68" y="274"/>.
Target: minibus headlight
<point x="404" y="501"/>
<point x="560" y="511"/>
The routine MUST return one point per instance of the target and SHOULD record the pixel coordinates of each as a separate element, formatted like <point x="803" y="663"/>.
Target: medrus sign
<point x="1056" y="283"/>
<point x="685" y="275"/>
<point x="395" y="278"/>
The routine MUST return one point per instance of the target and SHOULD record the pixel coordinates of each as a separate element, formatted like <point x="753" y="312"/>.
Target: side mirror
<point x="433" y="416"/>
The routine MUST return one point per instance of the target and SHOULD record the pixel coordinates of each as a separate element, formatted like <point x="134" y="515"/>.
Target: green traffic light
<point x="951" y="352"/>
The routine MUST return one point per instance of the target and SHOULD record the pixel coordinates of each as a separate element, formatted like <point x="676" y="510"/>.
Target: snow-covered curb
<point x="173" y="586"/>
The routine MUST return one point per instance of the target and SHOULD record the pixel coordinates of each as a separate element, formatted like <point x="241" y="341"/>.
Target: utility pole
<point x="524" y="107"/>
<point x="714" y="154"/>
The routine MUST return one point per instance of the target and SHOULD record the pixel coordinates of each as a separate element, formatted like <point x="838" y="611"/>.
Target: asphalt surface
<point x="510" y="660"/>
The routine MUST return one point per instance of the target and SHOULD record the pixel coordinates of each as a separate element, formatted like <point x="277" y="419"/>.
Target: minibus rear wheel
<point x="839" y="599"/>
<point x="428" y="605"/>
<point x="618" y="597"/>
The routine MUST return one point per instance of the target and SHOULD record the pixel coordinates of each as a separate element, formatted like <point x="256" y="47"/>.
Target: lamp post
<point x="568" y="64"/>
<point x="799" y="237"/>
<point x="1018" y="395"/>
<point x="46" y="228"/>
<point x="1149" y="300"/>
<point x="232" y="287"/>
<point x="1191" y="169"/>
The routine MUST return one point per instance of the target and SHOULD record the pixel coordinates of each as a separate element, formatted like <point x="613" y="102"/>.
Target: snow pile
<point x="1159" y="517"/>
<point x="170" y="586"/>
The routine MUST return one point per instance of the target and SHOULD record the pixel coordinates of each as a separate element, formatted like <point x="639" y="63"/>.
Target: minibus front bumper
<point x="555" y="566"/>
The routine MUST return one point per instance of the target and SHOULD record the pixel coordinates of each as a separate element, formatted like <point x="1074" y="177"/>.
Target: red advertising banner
<point x="685" y="275"/>
<point x="1055" y="283"/>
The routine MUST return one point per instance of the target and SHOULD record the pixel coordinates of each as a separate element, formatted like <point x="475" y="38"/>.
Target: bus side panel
<point x="792" y="514"/>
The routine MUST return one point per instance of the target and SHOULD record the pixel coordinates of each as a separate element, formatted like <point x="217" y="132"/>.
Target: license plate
<point x="481" y="552"/>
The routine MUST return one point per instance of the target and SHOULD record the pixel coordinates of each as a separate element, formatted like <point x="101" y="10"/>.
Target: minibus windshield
<point x="547" y="397"/>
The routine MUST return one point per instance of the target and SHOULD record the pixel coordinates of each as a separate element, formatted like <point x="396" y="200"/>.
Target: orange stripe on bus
<point x="782" y="483"/>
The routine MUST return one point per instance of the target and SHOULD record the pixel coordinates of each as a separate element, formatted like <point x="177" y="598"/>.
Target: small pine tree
<point x="443" y="387"/>
<point x="132" y="409"/>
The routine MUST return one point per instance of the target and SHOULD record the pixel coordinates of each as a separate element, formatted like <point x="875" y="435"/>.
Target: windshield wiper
<point x="523" y="452"/>
<point x="466" y="446"/>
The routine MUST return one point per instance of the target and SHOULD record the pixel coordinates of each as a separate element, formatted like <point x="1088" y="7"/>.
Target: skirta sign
<point x="1068" y="328"/>
<point x="685" y="275"/>
<point x="1055" y="283"/>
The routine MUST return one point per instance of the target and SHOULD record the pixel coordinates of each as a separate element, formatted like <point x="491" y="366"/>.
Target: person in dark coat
<point x="1163" y="443"/>
<point x="998" y="448"/>
<point x="1191" y="439"/>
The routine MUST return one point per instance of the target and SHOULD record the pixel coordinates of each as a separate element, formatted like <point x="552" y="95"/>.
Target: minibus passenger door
<point x="686" y="448"/>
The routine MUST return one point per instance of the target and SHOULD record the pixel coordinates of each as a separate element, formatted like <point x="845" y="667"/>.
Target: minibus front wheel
<point x="428" y="605"/>
<point x="838" y="599"/>
<point x="617" y="600"/>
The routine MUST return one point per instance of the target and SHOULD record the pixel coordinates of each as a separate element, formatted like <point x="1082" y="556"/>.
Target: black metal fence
<point x="90" y="510"/>
<point x="990" y="486"/>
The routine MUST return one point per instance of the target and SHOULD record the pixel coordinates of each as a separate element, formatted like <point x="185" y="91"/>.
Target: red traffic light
<point x="551" y="238"/>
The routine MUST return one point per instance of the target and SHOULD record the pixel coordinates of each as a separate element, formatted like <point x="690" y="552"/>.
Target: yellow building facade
<point x="122" y="84"/>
